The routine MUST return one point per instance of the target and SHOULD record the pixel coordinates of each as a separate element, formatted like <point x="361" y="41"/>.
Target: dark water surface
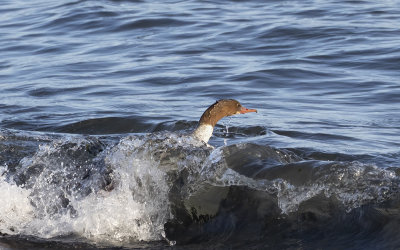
<point x="97" y="99"/>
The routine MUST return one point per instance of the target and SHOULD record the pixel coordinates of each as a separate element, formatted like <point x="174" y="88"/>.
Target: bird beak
<point x="244" y="110"/>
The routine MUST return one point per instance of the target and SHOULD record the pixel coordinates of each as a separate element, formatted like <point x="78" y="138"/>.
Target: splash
<point x="353" y="184"/>
<point x="116" y="192"/>
<point x="112" y="194"/>
<point x="16" y="209"/>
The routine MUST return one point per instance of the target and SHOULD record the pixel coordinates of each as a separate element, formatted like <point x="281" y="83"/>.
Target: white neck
<point x="203" y="132"/>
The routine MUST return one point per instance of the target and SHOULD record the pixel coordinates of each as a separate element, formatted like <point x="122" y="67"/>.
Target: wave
<point x="121" y="190"/>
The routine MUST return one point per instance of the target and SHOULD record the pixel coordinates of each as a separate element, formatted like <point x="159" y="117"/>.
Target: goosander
<point x="216" y="112"/>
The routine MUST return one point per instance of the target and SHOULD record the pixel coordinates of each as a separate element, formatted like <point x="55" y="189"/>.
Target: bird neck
<point x="213" y="114"/>
<point x="203" y="132"/>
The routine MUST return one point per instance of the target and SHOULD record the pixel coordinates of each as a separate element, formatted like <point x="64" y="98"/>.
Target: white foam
<point x="16" y="211"/>
<point x="135" y="209"/>
<point x="353" y="184"/>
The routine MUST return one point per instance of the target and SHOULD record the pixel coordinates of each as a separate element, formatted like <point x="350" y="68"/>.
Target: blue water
<point x="121" y="76"/>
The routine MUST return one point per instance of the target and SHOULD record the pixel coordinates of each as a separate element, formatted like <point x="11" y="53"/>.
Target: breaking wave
<point x="168" y="186"/>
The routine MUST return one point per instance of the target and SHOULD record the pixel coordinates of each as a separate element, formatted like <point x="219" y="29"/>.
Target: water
<point x="98" y="98"/>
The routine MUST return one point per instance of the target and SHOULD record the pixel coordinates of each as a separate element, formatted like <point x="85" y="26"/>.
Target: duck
<point x="214" y="113"/>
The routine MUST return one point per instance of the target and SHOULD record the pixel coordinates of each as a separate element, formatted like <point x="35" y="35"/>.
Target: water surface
<point x="97" y="99"/>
